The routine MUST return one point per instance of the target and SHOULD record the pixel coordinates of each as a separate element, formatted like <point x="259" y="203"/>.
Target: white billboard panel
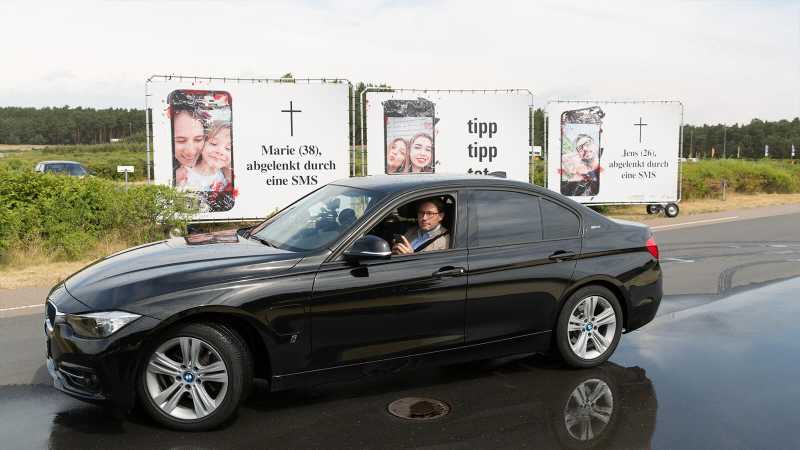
<point x="245" y="148"/>
<point x="614" y="152"/>
<point x="464" y="132"/>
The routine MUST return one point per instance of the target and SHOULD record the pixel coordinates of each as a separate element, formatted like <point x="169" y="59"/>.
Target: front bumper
<point x="96" y="370"/>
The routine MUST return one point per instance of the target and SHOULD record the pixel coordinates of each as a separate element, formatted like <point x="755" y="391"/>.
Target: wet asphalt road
<point x="716" y="369"/>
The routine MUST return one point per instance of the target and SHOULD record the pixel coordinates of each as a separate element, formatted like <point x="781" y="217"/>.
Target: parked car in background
<point x="71" y="168"/>
<point x="317" y="293"/>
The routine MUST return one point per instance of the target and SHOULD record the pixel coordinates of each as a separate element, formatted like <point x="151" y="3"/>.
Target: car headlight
<point x="100" y="324"/>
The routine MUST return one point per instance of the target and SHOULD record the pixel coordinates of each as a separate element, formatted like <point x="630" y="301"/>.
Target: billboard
<point x="467" y="132"/>
<point x="244" y="148"/>
<point x="614" y="152"/>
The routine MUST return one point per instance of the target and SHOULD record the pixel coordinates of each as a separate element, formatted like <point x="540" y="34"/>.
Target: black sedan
<point x="362" y="276"/>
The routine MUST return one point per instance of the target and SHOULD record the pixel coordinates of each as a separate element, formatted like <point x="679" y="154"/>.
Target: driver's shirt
<point x="424" y="236"/>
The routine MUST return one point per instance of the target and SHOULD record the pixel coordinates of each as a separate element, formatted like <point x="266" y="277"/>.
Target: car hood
<point x="174" y="265"/>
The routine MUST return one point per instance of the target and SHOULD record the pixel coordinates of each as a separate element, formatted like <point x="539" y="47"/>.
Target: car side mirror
<point x="368" y="247"/>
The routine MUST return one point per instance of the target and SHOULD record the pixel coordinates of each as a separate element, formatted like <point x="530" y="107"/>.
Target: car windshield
<point x="317" y="220"/>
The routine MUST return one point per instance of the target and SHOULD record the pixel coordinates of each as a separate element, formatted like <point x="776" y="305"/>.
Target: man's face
<point x="428" y="216"/>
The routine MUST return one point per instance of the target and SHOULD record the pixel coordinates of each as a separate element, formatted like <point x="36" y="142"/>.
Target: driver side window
<point x="422" y="225"/>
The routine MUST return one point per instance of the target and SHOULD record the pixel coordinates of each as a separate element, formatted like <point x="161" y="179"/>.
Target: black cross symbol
<point x="640" y="125"/>
<point x="291" y="112"/>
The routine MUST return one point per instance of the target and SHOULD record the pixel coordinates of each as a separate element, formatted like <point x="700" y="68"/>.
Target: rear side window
<point x="559" y="222"/>
<point x="76" y="170"/>
<point x="505" y="218"/>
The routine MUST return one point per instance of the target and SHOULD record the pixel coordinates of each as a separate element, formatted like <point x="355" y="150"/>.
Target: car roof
<point x="413" y="182"/>
<point x="398" y="184"/>
<point x="59" y="162"/>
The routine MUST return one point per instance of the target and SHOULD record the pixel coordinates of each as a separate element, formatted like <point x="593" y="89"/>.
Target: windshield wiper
<point x="262" y="240"/>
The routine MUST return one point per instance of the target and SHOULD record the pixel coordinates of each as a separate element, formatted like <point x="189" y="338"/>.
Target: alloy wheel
<point x="592" y="326"/>
<point x="186" y="378"/>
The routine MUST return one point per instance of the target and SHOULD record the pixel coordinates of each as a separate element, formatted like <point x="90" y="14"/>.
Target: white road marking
<point x="694" y="222"/>
<point x="778" y="245"/>
<point x="678" y="260"/>
<point x="21" y="307"/>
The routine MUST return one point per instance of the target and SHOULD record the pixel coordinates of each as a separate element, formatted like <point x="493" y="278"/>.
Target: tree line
<point x="742" y="141"/>
<point x="68" y="125"/>
<point x="77" y="125"/>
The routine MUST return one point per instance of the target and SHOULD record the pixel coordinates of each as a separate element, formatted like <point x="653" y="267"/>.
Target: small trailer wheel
<point x="671" y="210"/>
<point x="653" y="209"/>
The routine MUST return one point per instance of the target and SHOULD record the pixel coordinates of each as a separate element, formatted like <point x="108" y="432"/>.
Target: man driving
<point x="429" y="234"/>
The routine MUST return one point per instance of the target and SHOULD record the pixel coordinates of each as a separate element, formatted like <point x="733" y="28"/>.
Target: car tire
<point x="653" y="209"/>
<point x="199" y="391"/>
<point x="589" y="327"/>
<point x="671" y="210"/>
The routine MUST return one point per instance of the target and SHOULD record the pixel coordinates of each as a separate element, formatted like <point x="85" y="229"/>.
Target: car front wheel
<point x="589" y="327"/>
<point x="194" y="377"/>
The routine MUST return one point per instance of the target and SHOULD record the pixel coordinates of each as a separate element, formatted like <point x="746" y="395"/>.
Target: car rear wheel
<point x="195" y="377"/>
<point x="589" y="327"/>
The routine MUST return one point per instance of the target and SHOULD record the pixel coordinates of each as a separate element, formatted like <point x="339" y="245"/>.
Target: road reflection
<point x="527" y="402"/>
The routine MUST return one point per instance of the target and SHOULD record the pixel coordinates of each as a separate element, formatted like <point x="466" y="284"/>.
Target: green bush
<point x="69" y="215"/>
<point x="703" y="178"/>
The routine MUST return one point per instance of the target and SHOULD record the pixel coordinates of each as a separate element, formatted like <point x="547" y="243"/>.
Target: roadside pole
<point x="126" y="170"/>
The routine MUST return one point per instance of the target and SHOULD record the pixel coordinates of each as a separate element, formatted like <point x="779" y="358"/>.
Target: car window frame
<point x="472" y="216"/>
<point x="390" y="204"/>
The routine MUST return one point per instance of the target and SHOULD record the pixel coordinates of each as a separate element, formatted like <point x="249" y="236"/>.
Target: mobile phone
<point x="397" y="238"/>
<point x="581" y="132"/>
<point x="409" y="136"/>
<point x="202" y="146"/>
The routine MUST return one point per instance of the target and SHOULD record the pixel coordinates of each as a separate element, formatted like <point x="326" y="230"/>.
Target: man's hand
<point x="403" y="247"/>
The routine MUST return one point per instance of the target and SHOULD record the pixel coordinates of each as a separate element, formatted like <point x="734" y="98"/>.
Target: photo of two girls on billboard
<point x="410" y="156"/>
<point x="409" y="136"/>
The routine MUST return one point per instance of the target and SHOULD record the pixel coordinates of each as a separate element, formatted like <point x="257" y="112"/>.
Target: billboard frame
<point x="680" y="144"/>
<point x="363" y="110"/>
<point x="149" y="122"/>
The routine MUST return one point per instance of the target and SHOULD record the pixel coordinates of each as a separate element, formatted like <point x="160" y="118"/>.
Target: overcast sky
<point x="727" y="61"/>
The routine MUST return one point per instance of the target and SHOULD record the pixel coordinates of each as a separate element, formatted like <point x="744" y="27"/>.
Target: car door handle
<point x="561" y="255"/>
<point x="449" y="271"/>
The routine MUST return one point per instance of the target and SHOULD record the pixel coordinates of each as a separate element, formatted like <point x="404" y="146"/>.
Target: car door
<point x="519" y="263"/>
<point x="380" y="309"/>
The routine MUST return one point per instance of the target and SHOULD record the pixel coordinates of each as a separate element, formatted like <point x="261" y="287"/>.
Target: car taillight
<point x="652" y="247"/>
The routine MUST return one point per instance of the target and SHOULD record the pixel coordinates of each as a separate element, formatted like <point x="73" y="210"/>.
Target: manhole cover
<point x="416" y="408"/>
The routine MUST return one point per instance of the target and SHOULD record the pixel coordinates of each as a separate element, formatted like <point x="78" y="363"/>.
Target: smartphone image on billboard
<point x="581" y="150"/>
<point x="409" y="136"/>
<point x="202" y="146"/>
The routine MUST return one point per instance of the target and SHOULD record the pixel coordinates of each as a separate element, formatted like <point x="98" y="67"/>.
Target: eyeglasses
<point x="427" y="213"/>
